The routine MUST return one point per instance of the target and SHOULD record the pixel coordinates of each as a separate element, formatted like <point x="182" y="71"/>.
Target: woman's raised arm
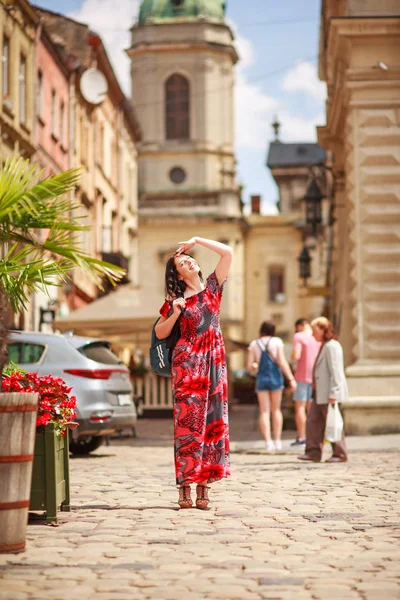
<point x="224" y="251"/>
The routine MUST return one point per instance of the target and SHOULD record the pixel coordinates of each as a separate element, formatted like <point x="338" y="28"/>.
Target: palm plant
<point x="39" y="245"/>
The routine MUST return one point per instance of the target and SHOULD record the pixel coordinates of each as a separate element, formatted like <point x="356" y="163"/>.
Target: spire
<point x="276" y="126"/>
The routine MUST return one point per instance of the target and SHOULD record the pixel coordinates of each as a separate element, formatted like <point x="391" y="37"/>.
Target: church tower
<point x="182" y="68"/>
<point x="182" y="58"/>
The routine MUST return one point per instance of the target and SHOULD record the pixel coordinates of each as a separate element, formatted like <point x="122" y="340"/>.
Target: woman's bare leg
<point x="300" y="416"/>
<point x="276" y="413"/>
<point x="265" y="426"/>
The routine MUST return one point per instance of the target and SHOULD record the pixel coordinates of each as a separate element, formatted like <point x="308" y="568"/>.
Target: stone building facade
<point x="273" y="243"/>
<point x="52" y="139"/>
<point x="19" y="25"/>
<point x="102" y="142"/>
<point x="359" y="60"/>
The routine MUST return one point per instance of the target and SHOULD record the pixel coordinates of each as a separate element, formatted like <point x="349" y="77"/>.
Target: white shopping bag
<point x="334" y="424"/>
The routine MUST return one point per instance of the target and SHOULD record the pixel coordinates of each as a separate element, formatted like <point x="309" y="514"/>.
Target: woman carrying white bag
<point x="330" y="390"/>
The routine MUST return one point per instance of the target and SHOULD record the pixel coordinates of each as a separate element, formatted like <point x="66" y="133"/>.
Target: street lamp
<point x="47" y="316"/>
<point x="313" y="203"/>
<point x="305" y="264"/>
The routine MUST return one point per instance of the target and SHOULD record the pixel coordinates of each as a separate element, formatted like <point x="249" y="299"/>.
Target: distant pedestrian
<point x="266" y="357"/>
<point x="304" y="353"/>
<point x="330" y="387"/>
<point x="199" y="375"/>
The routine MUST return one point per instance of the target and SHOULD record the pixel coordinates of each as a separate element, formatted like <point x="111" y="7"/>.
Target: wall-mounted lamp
<point x="304" y="265"/>
<point x="313" y="204"/>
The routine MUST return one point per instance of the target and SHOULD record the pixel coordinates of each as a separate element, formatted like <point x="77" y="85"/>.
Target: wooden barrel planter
<point x="50" y="475"/>
<point x="17" y="440"/>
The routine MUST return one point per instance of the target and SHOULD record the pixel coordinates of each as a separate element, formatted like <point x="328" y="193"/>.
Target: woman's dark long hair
<point x="174" y="287"/>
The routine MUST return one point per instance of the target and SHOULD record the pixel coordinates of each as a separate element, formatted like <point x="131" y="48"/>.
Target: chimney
<point x="255" y="205"/>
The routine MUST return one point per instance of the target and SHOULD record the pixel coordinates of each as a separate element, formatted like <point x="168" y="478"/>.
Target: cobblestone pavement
<point x="277" y="529"/>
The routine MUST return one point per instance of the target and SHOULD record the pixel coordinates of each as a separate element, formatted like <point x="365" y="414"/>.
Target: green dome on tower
<point x="159" y="11"/>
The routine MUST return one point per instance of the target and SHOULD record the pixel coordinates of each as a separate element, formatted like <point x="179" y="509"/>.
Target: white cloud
<point x="255" y="110"/>
<point x="112" y="19"/>
<point x="296" y="128"/>
<point x="303" y="78"/>
<point x="253" y="114"/>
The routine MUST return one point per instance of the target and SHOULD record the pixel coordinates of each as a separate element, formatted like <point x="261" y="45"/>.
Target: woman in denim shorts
<point x="267" y="361"/>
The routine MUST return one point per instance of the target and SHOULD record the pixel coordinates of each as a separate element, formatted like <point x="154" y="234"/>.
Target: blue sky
<point x="277" y="74"/>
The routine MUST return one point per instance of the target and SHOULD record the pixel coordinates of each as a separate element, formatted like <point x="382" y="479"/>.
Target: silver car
<point x="99" y="380"/>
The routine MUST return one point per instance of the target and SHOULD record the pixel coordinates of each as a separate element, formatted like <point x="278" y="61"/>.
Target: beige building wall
<point x="105" y="149"/>
<point x="17" y="107"/>
<point x="360" y="63"/>
<point x="275" y="241"/>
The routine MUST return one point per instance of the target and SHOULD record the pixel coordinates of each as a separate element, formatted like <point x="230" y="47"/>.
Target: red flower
<point x="43" y="419"/>
<point x="54" y="405"/>
<point x="211" y="472"/>
<point x="195" y="385"/>
<point x="215" y="432"/>
<point x="45" y="405"/>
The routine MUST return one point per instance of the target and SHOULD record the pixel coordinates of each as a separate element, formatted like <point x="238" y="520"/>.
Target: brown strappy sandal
<point x="185" y="500"/>
<point x="202" y="499"/>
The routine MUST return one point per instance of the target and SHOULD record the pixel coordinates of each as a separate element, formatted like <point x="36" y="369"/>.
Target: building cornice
<point x="343" y="77"/>
<point x="189" y="47"/>
<point x="255" y="221"/>
<point x="51" y="47"/>
<point x="194" y="24"/>
<point x="349" y="27"/>
<point x="344" y="32"/>
<point x="26" y="8"/>
<point x="157" y="152"/>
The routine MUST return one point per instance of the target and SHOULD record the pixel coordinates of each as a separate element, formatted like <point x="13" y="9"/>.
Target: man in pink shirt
<point x="304" y="353"/>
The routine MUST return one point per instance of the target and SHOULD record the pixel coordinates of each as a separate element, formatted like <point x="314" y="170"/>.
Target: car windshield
<point x="101" y="353"/>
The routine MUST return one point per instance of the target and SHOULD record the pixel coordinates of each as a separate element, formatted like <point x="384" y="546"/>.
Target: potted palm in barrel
<point x="30" y="262"/>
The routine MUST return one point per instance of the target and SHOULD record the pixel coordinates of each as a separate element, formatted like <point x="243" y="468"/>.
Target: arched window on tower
<point x="177" y="107"/>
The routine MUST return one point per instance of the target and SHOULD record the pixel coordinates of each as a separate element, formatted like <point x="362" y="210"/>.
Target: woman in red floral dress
<point x="199" y="377"/>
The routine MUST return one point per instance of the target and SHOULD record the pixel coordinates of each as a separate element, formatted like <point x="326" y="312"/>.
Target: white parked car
<point x="99" y="380"/>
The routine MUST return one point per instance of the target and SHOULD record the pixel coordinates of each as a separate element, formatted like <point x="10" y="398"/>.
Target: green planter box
<point x="50" y="474"/>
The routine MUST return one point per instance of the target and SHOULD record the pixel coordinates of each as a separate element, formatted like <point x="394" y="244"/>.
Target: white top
<point x="273" y="346"/>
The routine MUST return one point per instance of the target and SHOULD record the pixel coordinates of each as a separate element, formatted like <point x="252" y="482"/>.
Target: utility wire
<point x="182" y="98"/>
<point x="241" y="25"/>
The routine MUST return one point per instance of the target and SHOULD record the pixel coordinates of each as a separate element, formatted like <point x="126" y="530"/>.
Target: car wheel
<point x="85" y="445"/>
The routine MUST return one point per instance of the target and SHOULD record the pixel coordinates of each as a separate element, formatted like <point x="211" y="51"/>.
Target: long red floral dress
<point x="199" y="382"/>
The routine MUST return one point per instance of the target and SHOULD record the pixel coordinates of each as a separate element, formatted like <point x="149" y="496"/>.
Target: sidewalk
<point x="277" y="529"/>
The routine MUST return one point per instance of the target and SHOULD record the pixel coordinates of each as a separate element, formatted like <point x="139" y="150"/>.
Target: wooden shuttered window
<point x="276" y="283"/>
<point x="177" y="108"/>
